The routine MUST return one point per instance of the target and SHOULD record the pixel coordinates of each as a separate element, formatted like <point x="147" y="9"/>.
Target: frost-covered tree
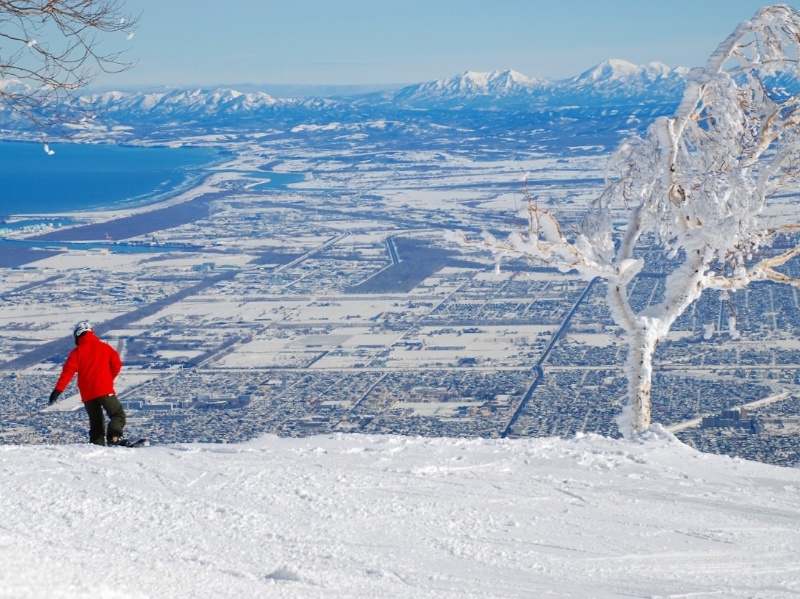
<point x="50" y="49"/>
<point x="699" y="183"/>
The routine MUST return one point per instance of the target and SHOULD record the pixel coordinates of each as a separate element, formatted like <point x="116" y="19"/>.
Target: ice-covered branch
<point x="697" y="186"/>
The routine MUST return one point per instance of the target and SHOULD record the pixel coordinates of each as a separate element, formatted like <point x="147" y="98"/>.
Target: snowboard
<point x="138" y="443"/>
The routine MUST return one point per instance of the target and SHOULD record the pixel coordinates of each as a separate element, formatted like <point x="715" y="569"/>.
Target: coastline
<point x="203" y="184"/>
<point x="112" y="226"/>
<point x="92" y="178"/>
<point x="119" y="224"/>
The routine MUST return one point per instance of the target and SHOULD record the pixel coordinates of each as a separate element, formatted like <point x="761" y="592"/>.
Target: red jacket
<point x="97" y="365"/>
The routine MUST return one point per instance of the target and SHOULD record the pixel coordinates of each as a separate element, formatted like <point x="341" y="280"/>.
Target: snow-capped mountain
<point x="471" y="88"/>
<point x="181" y="103"/>
<point x="618" y="80"/>
<point x="176" y="100"/>
<point x="594" y="108"/>
<point x="614" y="81"/>
<point x="611" y="83"/>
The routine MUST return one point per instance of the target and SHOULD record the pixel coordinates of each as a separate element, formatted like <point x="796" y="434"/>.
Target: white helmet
<point x="84" y="326"/>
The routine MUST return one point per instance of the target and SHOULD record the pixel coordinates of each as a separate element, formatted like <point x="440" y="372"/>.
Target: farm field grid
<point x="335" y="303"/>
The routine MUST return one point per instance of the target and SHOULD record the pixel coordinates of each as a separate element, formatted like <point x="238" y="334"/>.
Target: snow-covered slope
<point x="366" y="517"/>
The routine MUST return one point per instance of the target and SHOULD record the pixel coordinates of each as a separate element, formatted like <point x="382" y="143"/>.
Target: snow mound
<point x="364" y="517"/>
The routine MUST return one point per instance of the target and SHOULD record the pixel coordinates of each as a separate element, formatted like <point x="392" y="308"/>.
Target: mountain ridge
<point x="610" y="83"/>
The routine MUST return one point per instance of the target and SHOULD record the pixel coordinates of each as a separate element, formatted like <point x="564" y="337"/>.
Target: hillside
<point x="366" y="517"/>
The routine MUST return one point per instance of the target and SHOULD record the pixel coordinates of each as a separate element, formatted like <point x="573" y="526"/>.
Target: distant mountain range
<point x="612" y="81"/>
<point x="613" y="85"/>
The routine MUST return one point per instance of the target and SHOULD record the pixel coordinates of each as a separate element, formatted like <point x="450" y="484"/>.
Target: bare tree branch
<point x="50" y="49"/>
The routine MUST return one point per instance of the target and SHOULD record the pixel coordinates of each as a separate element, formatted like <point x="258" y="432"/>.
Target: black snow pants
<point x="97" y="420"/>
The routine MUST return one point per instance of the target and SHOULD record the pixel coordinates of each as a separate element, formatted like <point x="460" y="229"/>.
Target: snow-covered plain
<point x="367" y="517"/>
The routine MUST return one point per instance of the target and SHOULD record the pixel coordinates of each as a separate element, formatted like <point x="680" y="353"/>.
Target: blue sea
<point x="79" y="177"/>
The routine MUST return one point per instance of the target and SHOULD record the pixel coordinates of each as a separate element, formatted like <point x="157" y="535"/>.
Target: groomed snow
<point x="368" y="517"/>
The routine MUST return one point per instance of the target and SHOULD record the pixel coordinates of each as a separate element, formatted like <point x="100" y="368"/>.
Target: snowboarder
<point x="97" y="365"/>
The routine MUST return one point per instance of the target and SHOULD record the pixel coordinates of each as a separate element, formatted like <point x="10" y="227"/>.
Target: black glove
<point x="54" y="396"/>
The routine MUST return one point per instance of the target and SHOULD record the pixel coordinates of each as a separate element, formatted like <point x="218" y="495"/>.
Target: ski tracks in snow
<point x="384" y="516"/>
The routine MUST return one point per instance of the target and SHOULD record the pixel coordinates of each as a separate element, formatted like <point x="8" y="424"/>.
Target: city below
<point x="308" y="286"/>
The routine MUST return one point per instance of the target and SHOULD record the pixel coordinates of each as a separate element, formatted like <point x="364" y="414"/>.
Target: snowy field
<point x="368" y="517"/>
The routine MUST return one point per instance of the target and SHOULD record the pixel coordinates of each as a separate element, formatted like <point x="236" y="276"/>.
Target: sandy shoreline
<point x="118" y="224"/>
<point x="124" y="224"/>
<point x="208" y="184"/>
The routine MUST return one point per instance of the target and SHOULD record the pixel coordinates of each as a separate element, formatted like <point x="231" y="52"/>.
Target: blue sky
<point x="344" y="42"/>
